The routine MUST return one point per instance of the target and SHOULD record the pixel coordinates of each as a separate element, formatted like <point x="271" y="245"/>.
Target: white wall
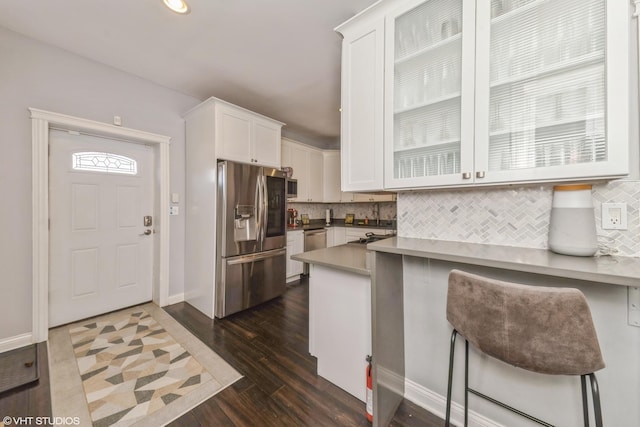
<point x="33" y="74"/>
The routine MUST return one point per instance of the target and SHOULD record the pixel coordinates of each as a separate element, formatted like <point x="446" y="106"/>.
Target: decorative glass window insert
<point x="104" y="162"/>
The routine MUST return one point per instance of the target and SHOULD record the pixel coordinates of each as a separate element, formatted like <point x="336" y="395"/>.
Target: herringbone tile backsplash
<point x="515" y="216"/>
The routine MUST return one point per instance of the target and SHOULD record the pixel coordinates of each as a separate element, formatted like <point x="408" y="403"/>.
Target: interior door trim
<point x="41" y="122"/>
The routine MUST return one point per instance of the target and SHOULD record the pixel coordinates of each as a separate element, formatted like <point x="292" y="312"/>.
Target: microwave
<point x="292" y="188"/>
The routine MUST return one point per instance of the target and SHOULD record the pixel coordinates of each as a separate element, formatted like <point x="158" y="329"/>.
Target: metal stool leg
<point x="466" y="383"/>
<point x="595" y="394"/>
<point x="450" y="384"/>
<point x="595" y="391"/>
<point x="585" y="403"/>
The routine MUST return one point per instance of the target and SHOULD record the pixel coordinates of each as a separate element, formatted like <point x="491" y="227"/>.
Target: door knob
<point x="146" y="233"/>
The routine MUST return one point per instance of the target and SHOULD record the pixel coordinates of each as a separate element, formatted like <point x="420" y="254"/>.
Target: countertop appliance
<point x="314" y="239"/>
<point x="292" y="188"/>
<point x="251" y="236"/>
<point x="292" y="218"/>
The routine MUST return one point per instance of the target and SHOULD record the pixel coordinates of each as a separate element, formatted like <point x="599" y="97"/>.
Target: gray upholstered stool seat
<point x="540" y="329"/>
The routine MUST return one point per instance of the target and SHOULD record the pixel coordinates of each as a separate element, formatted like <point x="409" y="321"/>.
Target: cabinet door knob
<point x="480" y="174"/>
<point x="466" y="175"/>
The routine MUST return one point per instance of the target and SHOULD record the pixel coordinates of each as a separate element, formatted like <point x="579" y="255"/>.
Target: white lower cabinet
<point x="340" y="326"/>
<point x="339" y="236"/>
<point x="330" y="236"/>
<point x="295" y="245"/>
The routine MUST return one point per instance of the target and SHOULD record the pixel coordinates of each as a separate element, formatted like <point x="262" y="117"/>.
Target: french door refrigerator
<point x="251" y="236"/>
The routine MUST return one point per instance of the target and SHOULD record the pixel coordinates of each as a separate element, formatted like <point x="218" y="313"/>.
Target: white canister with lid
<point x="572" y="227"/>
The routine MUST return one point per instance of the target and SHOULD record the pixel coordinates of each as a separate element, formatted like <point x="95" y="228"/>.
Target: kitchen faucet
<point x="376" y="213"/>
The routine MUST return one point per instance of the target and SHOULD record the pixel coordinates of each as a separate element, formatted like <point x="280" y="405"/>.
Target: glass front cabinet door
<point x="506" y="91"/>
<point x="429" y="72"/>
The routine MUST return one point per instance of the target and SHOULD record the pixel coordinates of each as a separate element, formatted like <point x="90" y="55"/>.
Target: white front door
<point x="100" y="191"/>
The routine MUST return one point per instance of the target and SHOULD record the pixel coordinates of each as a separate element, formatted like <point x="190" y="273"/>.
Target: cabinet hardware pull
<point x="466" y="175"/>
<point x="480" y="174"/>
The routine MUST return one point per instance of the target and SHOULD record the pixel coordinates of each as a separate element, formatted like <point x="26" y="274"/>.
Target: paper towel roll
<point x="327" y="217"/>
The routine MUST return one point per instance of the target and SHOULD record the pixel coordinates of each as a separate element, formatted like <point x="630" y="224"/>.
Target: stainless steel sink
<point x="370" y="238"/>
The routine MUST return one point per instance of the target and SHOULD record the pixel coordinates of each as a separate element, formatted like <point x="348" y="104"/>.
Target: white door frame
<point x="41" y="122"/>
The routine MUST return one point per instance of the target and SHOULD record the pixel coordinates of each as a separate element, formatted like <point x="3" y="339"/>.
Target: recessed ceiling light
<point x="178" y="6"/>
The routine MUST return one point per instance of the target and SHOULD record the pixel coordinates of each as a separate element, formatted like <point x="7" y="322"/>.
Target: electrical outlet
<point x="614" y="216"/>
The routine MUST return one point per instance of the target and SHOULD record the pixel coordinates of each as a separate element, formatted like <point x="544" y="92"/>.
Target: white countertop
<point x="623" y="271"/>
<point x="347" y="257"/>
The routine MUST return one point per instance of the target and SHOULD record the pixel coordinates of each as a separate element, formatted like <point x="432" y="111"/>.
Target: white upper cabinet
<point x="331" y="169"/>
<point x="266" y="142"/>
<point x="316" y="176"/>
<point x="308" y="169"/>
<point x="361" y="135"/>
<point x="238" y="134"/>
<point x="491" y="92"/>
<point x="552" y="90"/>
<point x="429" y="93"/>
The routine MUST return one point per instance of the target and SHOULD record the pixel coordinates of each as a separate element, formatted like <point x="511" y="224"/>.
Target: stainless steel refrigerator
<point x="251" y="236"/>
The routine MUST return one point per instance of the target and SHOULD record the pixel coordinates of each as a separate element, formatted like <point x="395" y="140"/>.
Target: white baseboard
<point x="293" y="278"/>
<point x="174" y="299"/>
<point x="16" y="342"/>
<point x="436" y="404"/>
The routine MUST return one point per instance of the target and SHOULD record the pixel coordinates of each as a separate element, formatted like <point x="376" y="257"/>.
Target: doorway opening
<point x="42" y="122"/>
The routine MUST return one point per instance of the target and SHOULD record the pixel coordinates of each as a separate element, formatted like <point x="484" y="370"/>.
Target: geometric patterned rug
<point x="131" y="368"/>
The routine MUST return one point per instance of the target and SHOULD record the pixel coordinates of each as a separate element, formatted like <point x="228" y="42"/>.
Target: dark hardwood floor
<point x="269" y="346"/>
<point x="29" y="400"/>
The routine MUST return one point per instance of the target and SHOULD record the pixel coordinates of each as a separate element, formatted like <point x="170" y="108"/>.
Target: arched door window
<point x="104" y="162"/>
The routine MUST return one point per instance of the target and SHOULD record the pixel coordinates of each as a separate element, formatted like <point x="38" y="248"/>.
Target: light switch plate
<point x="614" y="216"/>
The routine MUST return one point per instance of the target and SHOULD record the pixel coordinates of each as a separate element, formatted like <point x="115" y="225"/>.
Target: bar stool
<point x="540" y="329"/>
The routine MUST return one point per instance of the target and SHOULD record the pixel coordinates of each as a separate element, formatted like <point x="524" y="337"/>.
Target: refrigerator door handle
<point x="243" y="259"/>
<point x="265" y="210"/>
<point x="257" y="211"/>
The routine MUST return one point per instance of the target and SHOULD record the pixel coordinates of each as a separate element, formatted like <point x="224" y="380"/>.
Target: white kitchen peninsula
<point x="340" y="314"/>
<point x="411" y="334"/>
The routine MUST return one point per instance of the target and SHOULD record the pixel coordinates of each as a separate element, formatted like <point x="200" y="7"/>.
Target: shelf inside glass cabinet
<point x="433" y="124"/>
<point x="449" y="43"/>
<point x="531" y="39"/>
<point x="417" y="162"/>
<point x="558" y="145"/>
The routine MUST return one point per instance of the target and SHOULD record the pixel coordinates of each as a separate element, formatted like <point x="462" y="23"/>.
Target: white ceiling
<point x="280" y="58"/>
